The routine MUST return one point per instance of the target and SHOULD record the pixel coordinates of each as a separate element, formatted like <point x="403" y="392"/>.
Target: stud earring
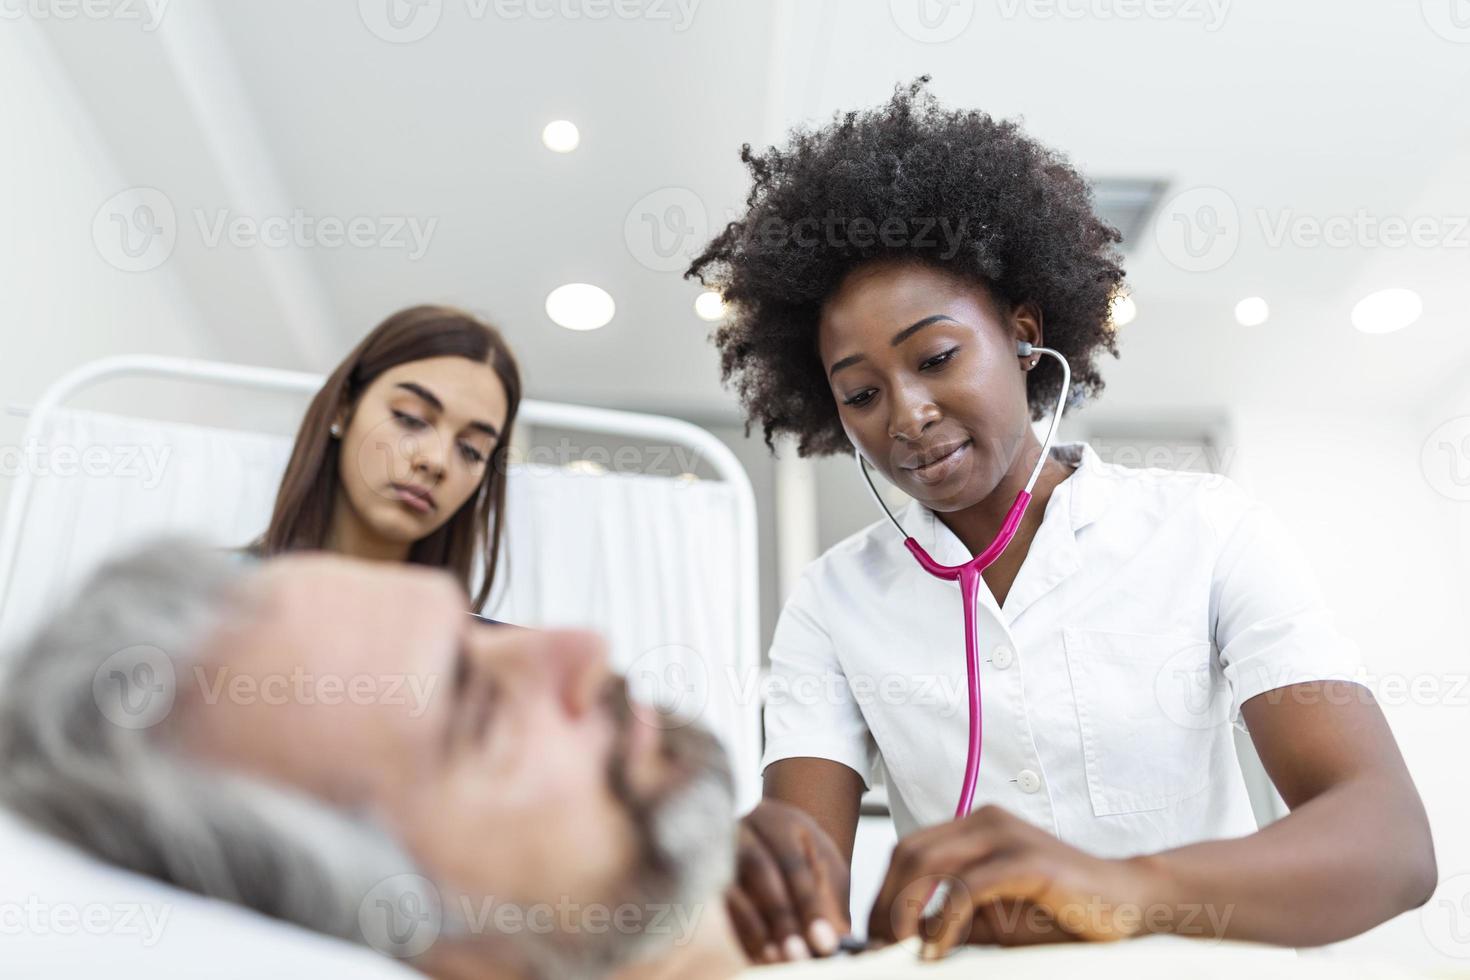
<point x="336" y="429"/>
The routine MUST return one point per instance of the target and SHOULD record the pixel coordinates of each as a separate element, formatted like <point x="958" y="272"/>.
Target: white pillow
<point x="64" y="914"/>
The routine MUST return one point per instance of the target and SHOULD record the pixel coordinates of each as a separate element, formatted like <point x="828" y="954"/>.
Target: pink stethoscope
<point x="968" y="574"/>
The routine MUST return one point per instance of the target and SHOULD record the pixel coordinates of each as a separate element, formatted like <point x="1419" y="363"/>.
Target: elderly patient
<point x="338" y="745"/>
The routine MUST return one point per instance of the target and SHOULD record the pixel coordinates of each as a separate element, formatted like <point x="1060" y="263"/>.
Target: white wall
<point x="1383" y="542"/>
<point x="63" y="303"/>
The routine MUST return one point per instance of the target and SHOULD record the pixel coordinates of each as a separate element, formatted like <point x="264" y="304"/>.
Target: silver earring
<point x="336" y="430"/>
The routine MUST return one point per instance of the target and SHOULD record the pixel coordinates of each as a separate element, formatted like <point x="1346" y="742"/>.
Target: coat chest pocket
<point x="1150" y="708"/>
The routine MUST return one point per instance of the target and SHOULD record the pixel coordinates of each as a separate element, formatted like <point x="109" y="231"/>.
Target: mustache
<point x="691" y="752"/>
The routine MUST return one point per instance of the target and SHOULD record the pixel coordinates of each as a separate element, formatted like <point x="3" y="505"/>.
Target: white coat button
<point x="1028" y="781"/>
<point x="1001" y="657"/>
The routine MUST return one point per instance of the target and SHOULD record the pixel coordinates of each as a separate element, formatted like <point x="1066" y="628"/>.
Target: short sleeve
<point x="810" y="710"/>
<point x="1272" y="624"/>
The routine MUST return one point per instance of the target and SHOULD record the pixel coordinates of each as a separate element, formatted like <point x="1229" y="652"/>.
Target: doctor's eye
<point x="939" y="359"/>
<point x="411" y="422"/>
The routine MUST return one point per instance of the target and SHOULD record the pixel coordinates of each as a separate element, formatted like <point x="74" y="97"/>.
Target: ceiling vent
<point x="1128" y="204"/>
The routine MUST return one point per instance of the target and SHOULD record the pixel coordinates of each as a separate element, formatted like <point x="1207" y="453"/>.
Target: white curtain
<point x="648" y="561"/>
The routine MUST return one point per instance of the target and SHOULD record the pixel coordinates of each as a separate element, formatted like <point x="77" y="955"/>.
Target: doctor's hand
<point x="1009" y="883"/>
<point x="789" y="899"/>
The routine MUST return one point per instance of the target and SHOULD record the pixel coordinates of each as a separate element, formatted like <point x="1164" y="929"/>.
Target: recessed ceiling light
<point x="1387" y="310"/>
<point x="709" y="306"/>
<point x="561" y="136"/>
<point x="1252" y="311"/>
<point x="1122" y="310"/>
<point x="580" y="306"/>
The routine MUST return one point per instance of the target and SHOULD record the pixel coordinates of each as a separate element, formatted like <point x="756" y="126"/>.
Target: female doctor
<point x="904" y="284"/>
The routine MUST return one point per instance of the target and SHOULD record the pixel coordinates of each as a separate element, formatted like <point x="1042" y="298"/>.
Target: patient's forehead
<point x="318" y="601"/>
<point x="293" y="584"/>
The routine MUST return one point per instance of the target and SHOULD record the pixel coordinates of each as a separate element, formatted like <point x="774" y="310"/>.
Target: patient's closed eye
<point x="475" y="694"/>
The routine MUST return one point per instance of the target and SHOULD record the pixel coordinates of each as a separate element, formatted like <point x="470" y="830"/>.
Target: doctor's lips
<point x="415" y="497"/>
<point x="936" y="462"/>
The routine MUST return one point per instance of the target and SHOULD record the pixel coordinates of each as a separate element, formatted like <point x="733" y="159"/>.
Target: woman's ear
<point x="1026" y="327"/>
<point x="339" y="422"/>
<point x="1026" y="323"/>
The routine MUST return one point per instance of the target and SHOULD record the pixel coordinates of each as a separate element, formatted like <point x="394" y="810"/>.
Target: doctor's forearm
<point x="1355" y="849"/>
<point x="1345" y="861"/>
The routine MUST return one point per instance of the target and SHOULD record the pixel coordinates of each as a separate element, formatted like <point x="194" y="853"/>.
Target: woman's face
<point x="416" y="446"/>
<point x="928" y="386"/>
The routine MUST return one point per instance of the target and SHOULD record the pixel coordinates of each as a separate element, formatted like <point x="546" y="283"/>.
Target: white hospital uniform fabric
<point x="1152" y="604"/>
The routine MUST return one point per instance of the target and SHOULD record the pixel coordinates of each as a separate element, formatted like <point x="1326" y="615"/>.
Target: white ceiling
<point x="1314" y="108"/>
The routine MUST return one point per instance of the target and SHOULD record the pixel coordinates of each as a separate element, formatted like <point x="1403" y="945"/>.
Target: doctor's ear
<point x="1024" y="351"/>
<point x="1025" y="324"/>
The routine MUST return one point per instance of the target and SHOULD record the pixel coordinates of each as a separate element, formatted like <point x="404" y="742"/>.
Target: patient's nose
<point x="569" y="665"/>
<point x="578" y="661"/>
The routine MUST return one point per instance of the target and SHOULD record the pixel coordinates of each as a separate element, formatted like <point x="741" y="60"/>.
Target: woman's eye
<point x="939" y="359"/>
<point x="409" y="421"/>
<point x="861" y="398"/>
<point x="471" y="454"/>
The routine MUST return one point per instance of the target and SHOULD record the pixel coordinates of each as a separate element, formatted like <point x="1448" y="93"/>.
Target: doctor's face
<point x="928" y="386"/>
<point x="508" y="762"/>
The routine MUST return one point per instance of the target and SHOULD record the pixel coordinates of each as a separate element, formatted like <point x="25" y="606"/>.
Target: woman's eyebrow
<point x="438" y="406"/>
<point x="898" y="338"/>
<point x="914" y="328"/>
<point x="423" y="393"/>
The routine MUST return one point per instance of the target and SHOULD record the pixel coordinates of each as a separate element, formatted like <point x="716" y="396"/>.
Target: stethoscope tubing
<point x="968" y="575"/>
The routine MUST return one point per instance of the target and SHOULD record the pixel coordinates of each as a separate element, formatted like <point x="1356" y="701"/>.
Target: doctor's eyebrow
<point x="438" y="406"/>
<point x="898" y="338"/>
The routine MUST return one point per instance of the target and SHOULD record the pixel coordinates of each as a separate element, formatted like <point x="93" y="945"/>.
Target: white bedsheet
<point x="1150" y="958"/>
<point x="63" y="914"/>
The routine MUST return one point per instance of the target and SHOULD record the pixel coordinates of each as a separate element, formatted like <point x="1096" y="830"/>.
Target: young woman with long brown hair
<point x="402" y="453"/>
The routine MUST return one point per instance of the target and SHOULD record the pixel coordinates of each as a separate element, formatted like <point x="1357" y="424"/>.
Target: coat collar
<point x="1082" y="498"/>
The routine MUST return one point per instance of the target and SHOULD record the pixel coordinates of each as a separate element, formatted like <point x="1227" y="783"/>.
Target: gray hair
<point x="83" y="758"/>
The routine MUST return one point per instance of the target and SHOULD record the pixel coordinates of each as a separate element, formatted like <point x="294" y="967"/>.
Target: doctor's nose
<point x="910" y="416"/>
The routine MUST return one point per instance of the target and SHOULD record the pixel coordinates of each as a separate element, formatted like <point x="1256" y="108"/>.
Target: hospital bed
<point x="664" y="565"/>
